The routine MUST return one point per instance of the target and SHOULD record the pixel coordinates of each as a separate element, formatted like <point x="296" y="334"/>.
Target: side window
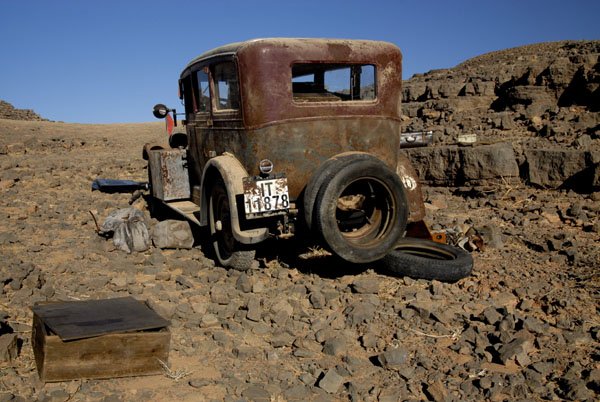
<point x="188" y="96"/>
<point x="203" y="91"/>
<point x="226" y="86"/>
<point x="313" y="82"/>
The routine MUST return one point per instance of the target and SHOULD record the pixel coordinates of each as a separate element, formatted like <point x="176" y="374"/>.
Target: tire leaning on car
<point x="425" y="259"/>
<point x="360" y="209"/>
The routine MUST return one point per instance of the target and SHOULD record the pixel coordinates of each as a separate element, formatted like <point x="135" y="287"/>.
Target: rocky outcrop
<point x="8" y="111"/>
<point x="537" y="97"/>
<point x="453" y="165"/>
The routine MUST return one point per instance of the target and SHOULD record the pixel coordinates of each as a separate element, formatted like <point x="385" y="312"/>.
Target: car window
<point x="203" y="97"/>
<point x="317" y="82"/>
<point x="226" y="86"/>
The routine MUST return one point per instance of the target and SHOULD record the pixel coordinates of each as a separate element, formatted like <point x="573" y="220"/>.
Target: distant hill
<point x="9" y="112"/>
<point x="546" y="90"/>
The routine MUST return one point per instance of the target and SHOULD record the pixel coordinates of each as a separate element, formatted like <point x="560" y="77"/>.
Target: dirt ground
<point x="523" y="326"/>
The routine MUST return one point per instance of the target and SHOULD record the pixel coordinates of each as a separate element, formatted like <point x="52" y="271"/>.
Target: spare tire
<point x="426" y="259"/>
<point x="327" y="168"/>
<point x="361" y="210"/>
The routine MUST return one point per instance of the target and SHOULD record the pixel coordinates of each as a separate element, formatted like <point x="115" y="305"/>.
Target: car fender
<point x="232" y="172"/>
<point x="410" y="180"/>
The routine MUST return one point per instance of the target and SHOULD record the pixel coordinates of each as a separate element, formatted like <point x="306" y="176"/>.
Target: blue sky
<point x="110" y="61"/>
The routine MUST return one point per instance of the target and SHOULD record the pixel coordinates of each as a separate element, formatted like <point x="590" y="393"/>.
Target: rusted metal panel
<point x="297" y="148"/>
<point x="266" y="82"/>
<point x="412" y="186"/>
<point x="169" y="174"/>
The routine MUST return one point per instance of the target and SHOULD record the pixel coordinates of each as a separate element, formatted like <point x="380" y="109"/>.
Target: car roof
<point x="298" y="43"/>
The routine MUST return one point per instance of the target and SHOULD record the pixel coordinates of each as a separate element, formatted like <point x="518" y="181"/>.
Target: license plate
<point x="264" y="197"/>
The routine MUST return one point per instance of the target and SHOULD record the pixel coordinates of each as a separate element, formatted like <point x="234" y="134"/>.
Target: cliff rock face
<point x="543" y="99"/>
<point x="8" y="111"/>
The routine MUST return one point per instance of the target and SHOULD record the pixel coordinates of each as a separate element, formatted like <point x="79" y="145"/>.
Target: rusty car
<point x="291" y="137"/>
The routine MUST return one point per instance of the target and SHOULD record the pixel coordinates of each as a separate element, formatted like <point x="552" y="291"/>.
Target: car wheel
<point x="228" y="251"/>
<point x="425" y="259"/>
<point x="361" y="210"/>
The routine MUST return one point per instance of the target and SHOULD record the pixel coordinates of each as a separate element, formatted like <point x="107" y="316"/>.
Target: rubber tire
<point x="389" y="213"/>
<point x="332" y="165"/>
<point x="426" y="259"/>
<point x="228" y="252"/>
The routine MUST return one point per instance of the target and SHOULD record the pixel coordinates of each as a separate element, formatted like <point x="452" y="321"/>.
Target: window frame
<point x="214" y="82"/>
<point x="320" y="83"/>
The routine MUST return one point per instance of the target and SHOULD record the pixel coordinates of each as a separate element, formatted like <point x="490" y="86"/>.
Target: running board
<point x="187" y="209"/>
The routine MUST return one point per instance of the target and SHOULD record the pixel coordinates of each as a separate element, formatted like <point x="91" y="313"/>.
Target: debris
<point x="118" y="186"/>
<point x="128" y="228"/>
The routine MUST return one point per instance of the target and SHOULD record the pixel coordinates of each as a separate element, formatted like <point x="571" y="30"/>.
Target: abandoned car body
<point x="290" y="136"/>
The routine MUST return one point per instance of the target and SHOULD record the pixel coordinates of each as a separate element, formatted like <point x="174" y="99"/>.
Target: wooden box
<point x="111" y="354"/>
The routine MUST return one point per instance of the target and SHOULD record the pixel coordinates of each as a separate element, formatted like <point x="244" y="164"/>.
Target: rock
<point x="366" y="285"/>
<point x="165" y="309"/>
<point x="393" y="358"/>
<point x="518" y="348"/>
<point x="492" y="316"/>
<point x="8" y="347"/>
<point x="184" y="282"/>
<point x="219" y="295"/>
<point x="451" y="165"/>
<point x="555" y="168"/>
<point x="244" y="283"/>
<point x="256" y="393"/>
<point x="331" y="381"/>
<point x="317" y="300"/>
<point x="254" y="310"/>
<point x="335" y="346"/>
<point x="173" y="234"/>
<point x="281" y="339"/>
<point x="491" y="235"/>
<point x="361" y="312"/>
<point x="297" y="393"/>
<point x="209" y="321"/>
<point x="436" y="391"/>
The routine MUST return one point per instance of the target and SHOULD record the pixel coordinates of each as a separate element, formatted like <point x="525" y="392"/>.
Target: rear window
<point x="318" y="82"/>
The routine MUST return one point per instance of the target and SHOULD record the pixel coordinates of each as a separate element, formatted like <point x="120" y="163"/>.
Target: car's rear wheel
<point x="228" y="251"/>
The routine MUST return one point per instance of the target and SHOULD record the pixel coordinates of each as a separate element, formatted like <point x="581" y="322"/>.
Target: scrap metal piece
<point x="118" y="186"/>
<point x="416" y="139"/>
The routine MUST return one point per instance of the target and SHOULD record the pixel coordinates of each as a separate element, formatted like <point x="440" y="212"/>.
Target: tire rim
<point x="366" y="210"/>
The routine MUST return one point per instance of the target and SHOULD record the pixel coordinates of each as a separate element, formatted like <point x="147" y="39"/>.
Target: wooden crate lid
<point x="85" y="319"/>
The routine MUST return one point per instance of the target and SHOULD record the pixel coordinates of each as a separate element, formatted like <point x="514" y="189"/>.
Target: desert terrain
<point x="523" y="326"/>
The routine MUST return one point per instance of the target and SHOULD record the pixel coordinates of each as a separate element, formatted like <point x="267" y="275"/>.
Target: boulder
<point x="452" y="165"/>
<point x="556" y="168"/>
<point x="173" y="234"/>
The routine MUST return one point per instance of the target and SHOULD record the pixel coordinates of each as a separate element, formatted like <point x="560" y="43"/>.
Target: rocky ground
<point x="523" y="326"/>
